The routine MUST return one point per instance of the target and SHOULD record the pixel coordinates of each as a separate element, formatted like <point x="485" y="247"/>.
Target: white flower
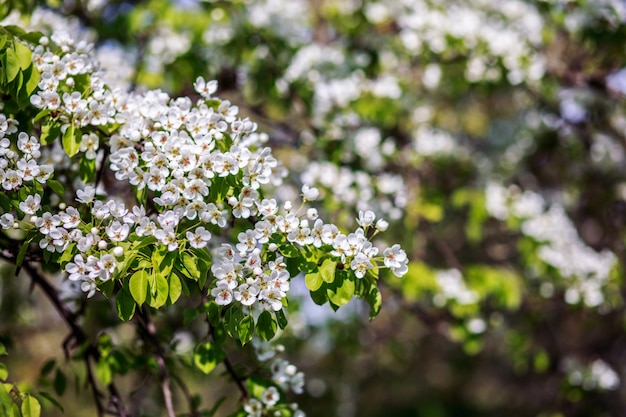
<point x="396" y="260"/>
<point x="31" y="204"/>
<point x="199" y="237"/>
<point x="246" y="294"/>
<point x="86" y="195"/>
<point x="360" y="264"/>
<point x="309" y="193"/>
<point x="205" y="89"/>
<point x="366" y="218"/>
<point x="7" y="220"/>
<point x="223" y="295"/>
<point x="70" y="218"/>
<point x="117" y="231"/>
<point x="270" y="396"/>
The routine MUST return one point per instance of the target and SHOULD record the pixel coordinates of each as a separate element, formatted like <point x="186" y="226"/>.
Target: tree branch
<point x="149" y="330"/>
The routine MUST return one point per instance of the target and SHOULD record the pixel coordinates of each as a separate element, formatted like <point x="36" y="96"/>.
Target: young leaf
<point x="245" y="329"/>
<point x="22" y="253"/>
<point x="281" y="319"/>
<point x="161" y="291"/>
<point x="343" y="292"/>
<point x="56" y="186"/>
<point x="24" y="55"/>
<point x="104" y="372"/>
<point x="313" y="281"/>
<point x="125" y="305"/>
<point x="12" y="64"/>
<point x="71" y="140"/>
<point x="53" y="400"/>
<point x="175" y="288"/>
<point x="138" y="285"/>
<point x="4" y="372"/>
<point x="190" y="264"/>
<point x="213" y="313"/>
<point x="266" y="326"/>
<point x="31" y="407"/>
<point x="60" y="382"/>
<point x="327" y="270"/>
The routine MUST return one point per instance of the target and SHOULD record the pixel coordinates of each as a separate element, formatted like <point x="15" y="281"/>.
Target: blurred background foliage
<point x="490" y="134"/>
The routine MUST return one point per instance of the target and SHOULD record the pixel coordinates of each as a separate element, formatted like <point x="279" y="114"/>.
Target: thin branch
<point x="193" y="410"/>
<point x="231" y="370"/>
<point x="151" y="334"/>
<point x="79" y="336"/>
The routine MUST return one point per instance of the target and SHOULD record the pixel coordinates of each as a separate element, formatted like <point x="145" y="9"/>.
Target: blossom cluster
<point x="286" y="377"/>
<point x="586" y="270"/>
<point x="199" y="164"/>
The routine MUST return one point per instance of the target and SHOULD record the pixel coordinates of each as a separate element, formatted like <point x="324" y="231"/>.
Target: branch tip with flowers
<point x="190" y="212"/>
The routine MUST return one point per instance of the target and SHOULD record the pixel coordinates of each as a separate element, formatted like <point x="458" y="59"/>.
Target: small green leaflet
<point x="31" y="407"/>
<point x="266" y="326"/>
<point x="71" y="140"/>
<point x="138" y="285"/>
<point x="125" y="305"/>
<point x="245" y="329"/>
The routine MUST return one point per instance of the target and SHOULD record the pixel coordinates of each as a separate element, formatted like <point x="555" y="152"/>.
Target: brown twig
<point x="149" y="330"/>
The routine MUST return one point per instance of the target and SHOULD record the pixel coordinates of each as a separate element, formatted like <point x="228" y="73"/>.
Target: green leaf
<point x="289" y="251"/>
<point x="53" y="400"/>
<point x="313" y="281"/>
<point x="87" y="169"/>
<point x="105" y="287"/>
<point x="56" y="186"/>
<point x="31" y="407"/>
<point x="213" y="313"/>
<point x="207" y="356"/>
<point x="175" y="288"/>
<point x="5" y="401"/>
<point x="245" y="329"/>
<point x="71" y="140"/>
<point x="60" y="383"/>
<point x="31" y="80"/>
<point x="341" y="293"/>
<point x="163" y="260"/>
<point x="104" y="372"/>
<point x="307" y="267"/>
<point x="319" y="296"/>
<point x="12" y="64"/>
<point x="266" y="326"/>
<point x="22" y="253"/>
<point x="327" y="270"/>
<point x="31" y="37"/>
<point x="4" y="372"/>
<point x="47" y="367"/>
<point x="41" y="115"/>
<point x="3" y="350"/>
<point x="281" y="319"/>
<point x="125" y="305"/>
<point x="375" y="300"/>
<point x="233" y="317"/>
<point x="68" y="253"/>
<point x="138" y="285"/>
<point x="50" y="131"/>
<point x="160" y="294"/>
<point x="24" y="55"/>
<point x="190" y="265"/>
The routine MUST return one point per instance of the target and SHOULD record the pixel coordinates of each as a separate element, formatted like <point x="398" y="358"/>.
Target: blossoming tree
<point x="186" y="181"/>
